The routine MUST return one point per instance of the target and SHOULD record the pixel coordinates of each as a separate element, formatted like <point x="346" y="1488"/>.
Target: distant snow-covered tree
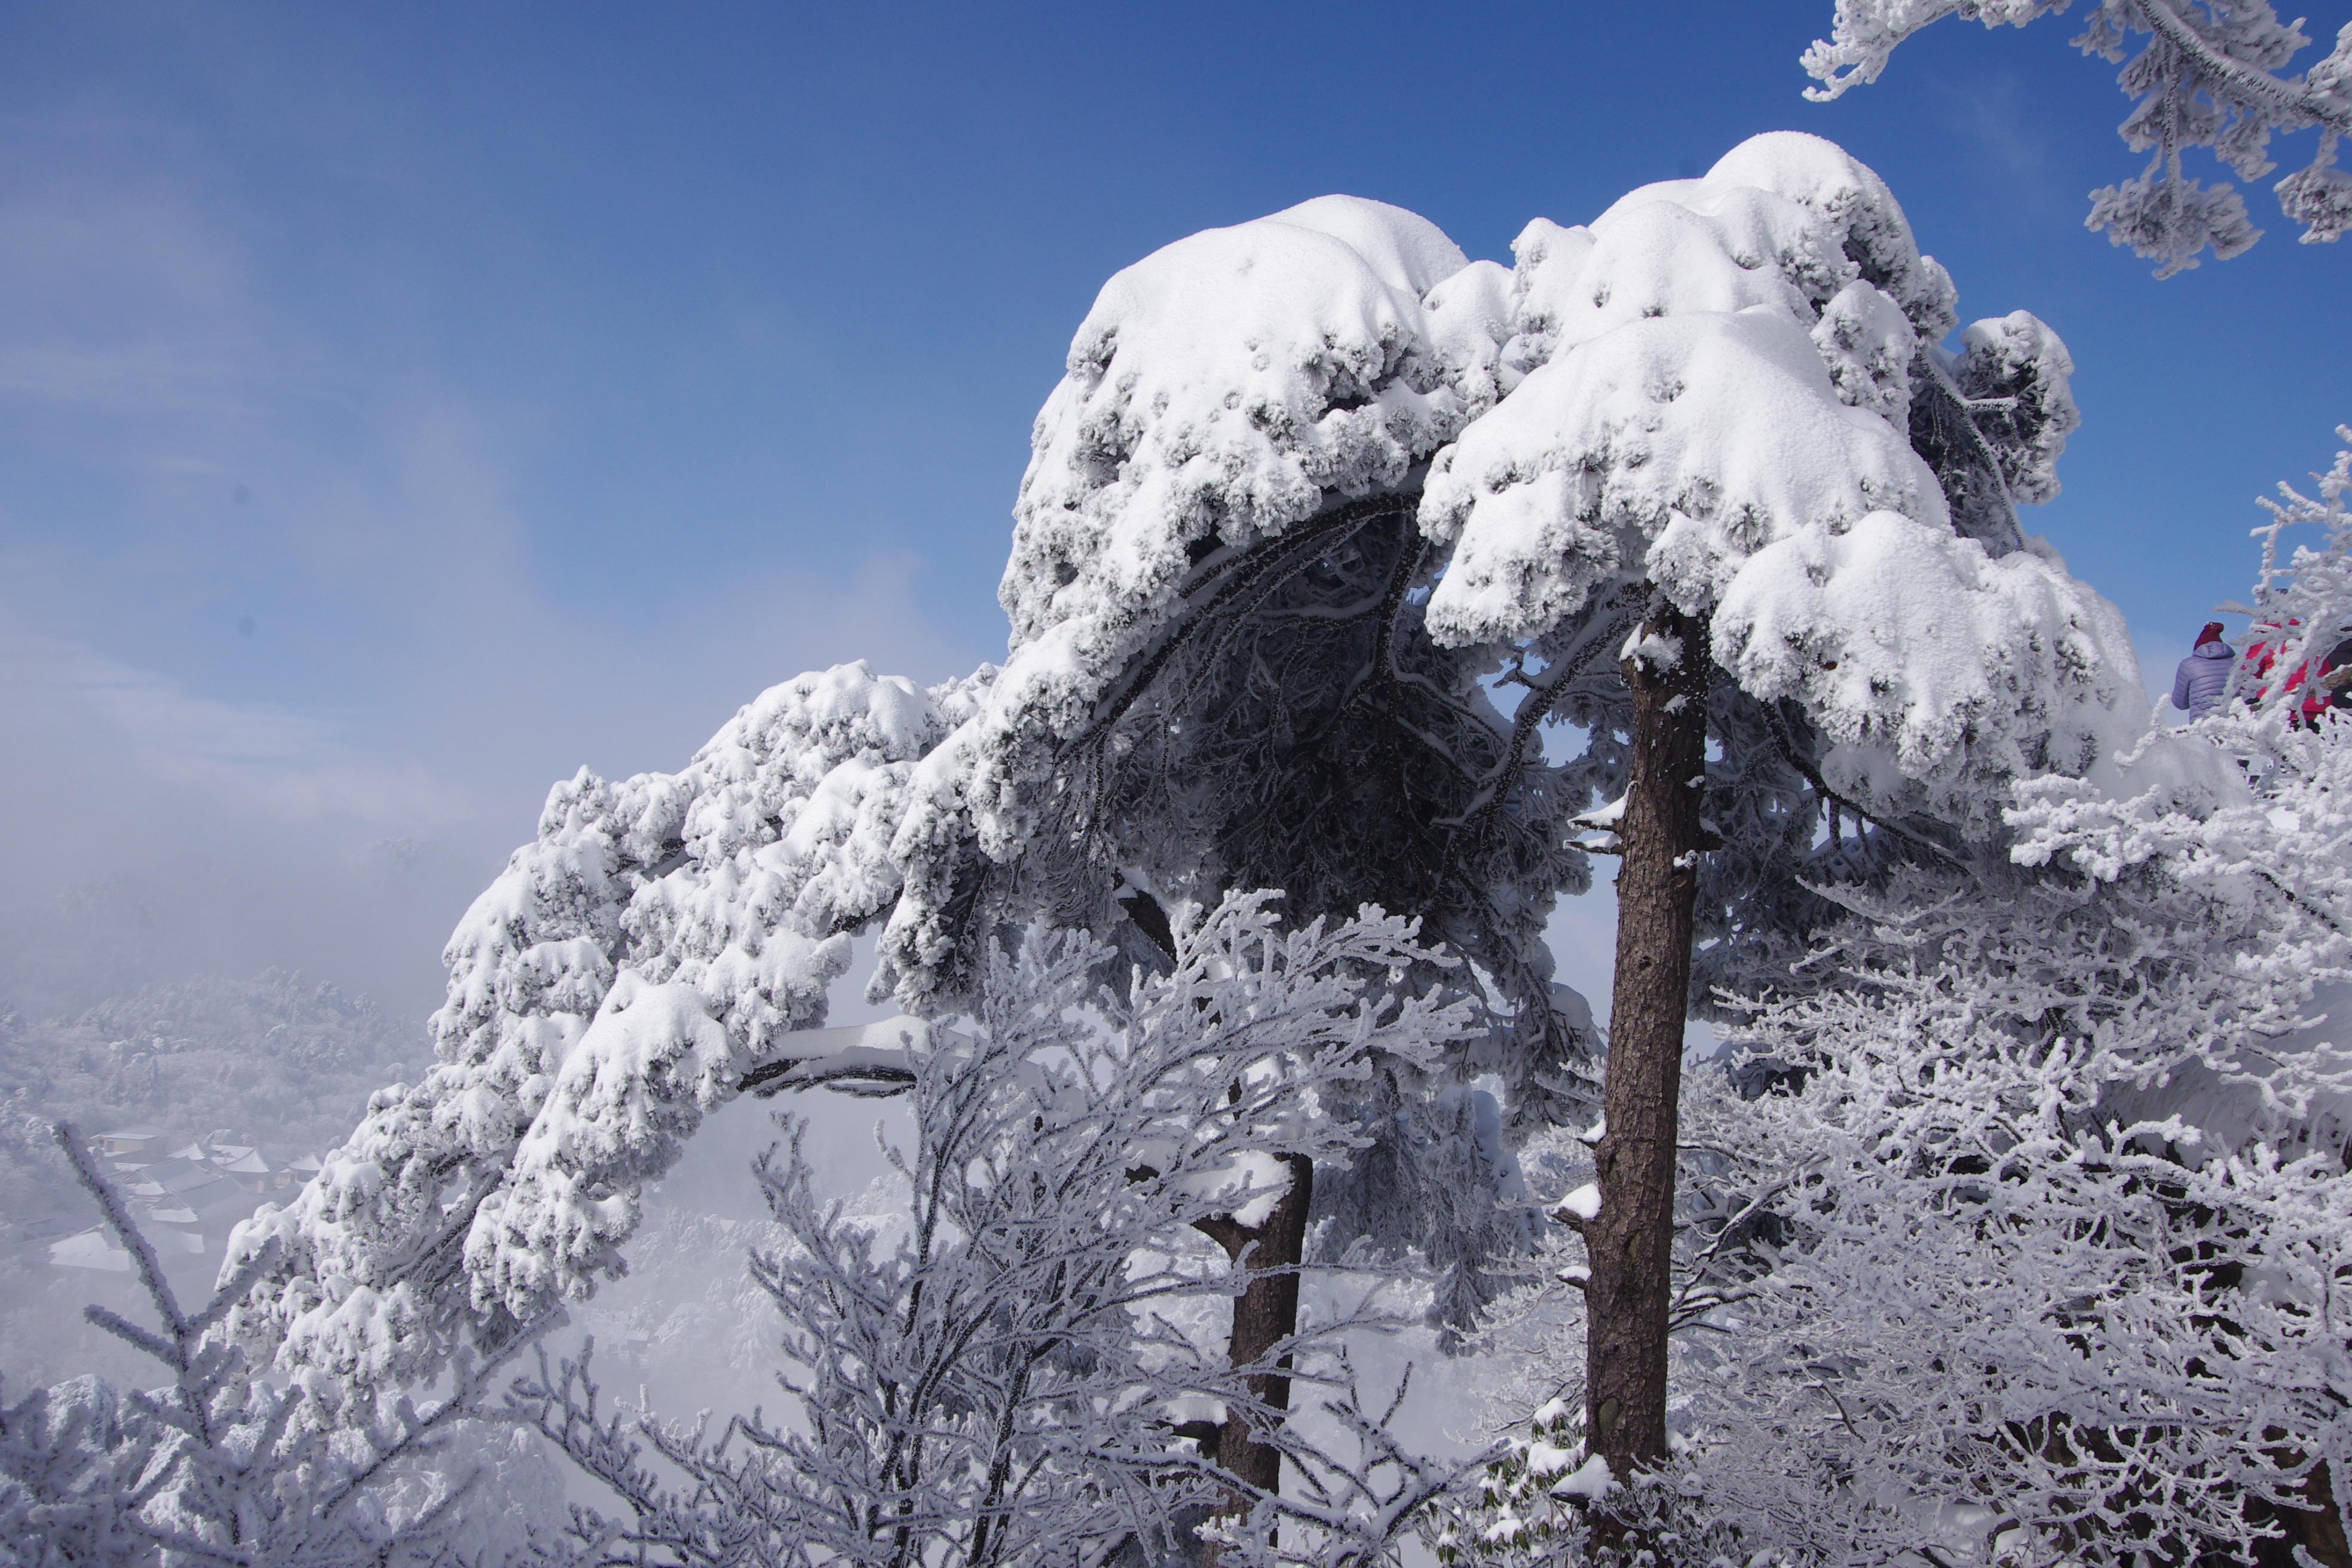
<point x="2212" y="74"/>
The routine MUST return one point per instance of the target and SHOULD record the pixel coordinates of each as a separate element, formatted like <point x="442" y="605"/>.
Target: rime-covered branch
<point x="1004" y="1384"/>
<point x="2210" y="75"/>
<point x="216" y="1470"/>
<point x="2018" y="1224"/>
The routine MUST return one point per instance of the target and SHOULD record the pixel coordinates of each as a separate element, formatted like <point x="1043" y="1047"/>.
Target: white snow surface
<point x="1584" y="1202"/>
<point x="1220" y="387"/>
<point x="1592" y="1480"/>
<point x="1220" y="390"/>
<point x="1913" y="647"/>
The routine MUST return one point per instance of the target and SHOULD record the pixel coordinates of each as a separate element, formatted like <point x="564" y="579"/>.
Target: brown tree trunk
<point x="2318" y="1530"/>
<point x="1265" y="1314"/>
<point x="1631" y="1242"/>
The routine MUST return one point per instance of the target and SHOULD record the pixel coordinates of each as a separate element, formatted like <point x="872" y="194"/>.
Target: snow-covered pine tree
<point x="2019" y="1233"/>
<point x="1230" y="669"/>
<point x="2212" y="74"/>
<point x="1311" y="495"/>
<point x="1739" y="462"/>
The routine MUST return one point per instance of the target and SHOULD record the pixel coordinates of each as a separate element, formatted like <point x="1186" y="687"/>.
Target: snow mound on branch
<point x="1662" y="448"/>
<point x="1908" y="643"/>
<point x="1469" y="317"/>
<point x="2017" y="361"/>
<point x="622" y="1106"/>
<point x="1662" y="259"/>
<point x="660" y="937"/>
<point x="1218" y="391"/>
<point x="1717" y="392"/>
<point x="1221" y="392"/>
<point x="1856" y="217"/>
<point x="1868" y="345"/>
<point x="1405" y="248"/>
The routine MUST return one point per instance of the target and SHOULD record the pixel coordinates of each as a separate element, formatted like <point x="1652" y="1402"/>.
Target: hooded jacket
<point x="2197" y="684"/>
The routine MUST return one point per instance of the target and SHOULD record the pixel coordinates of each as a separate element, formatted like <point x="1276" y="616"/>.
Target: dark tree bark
<point x="1265" y="1315"/>
<point x="2318" y="1530"/>
<point x="1630" y="1243"/>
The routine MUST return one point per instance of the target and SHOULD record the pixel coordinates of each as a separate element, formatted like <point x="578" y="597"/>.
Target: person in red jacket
<point x="2334" y="685"/>
<point x="2326" y="682"/>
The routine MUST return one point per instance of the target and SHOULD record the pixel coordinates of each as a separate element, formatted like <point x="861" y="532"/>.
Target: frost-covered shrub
<point x="1535" y="1505"/>
<point x="1019" y="1373"/>
<point x="2025" y="1243"/>
<point x="217" y="1470"/>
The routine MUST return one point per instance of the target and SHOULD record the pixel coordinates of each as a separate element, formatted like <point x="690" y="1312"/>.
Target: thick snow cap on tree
<point x="1215" y="394"/>
<point x="1220" y="391"/>
<point x="1719" y="403"/>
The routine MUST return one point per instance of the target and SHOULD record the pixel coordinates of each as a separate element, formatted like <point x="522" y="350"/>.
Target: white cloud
<point x="244" y="756"/>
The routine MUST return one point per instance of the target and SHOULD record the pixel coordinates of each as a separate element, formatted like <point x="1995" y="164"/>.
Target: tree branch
<point x="2282" y="97"/>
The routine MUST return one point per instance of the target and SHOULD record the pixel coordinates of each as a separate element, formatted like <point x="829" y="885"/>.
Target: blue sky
<point x="403" y="406"/>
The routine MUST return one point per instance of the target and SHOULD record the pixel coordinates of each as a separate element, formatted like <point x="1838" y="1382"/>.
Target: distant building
<point x="186" y="1200"/>
<point x="138" y="1139"/>
<point x="94" y="1248"/>
<point x="167" y="1179"/>
<point x="250" y="1168"/>
<point x="209" y="1210"/>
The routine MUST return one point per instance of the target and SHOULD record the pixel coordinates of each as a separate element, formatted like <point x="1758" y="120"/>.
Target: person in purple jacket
<point x="2197" y="685"/>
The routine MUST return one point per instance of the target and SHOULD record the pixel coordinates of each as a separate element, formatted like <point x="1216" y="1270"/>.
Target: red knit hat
<point x="2212" y="633"/>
